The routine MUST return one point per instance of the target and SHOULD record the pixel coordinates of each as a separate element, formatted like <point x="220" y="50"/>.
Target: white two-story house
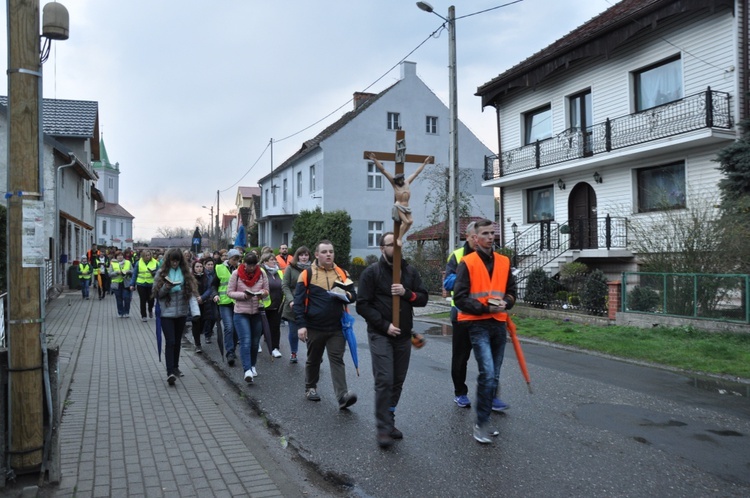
<point x="330" y="172"/>
<point x="620" y="119"/>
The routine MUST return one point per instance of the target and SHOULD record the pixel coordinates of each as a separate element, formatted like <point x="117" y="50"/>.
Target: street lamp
<point x="210" y="224"/>
<point x="453" y="231"/>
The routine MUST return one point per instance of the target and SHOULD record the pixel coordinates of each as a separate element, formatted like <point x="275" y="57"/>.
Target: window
<point x="299" y="183"/>
<point x="374" y="177"/>
<point x="539" y="204"/>
<point x="538" y="124"/>
<point x="111" y="183"/>
<point x="374" y="231"/>
<point x="312" y="178"/>
<point x="579" y="111"/>
<point x="394" y="122"/>
<point x="273" y="193"/>
<point x="285" y="190"/>
<point x="431" y="125"/>
<point x="661" y="188"/>
<point x="658" y="84"/>
<point x="266" y="201"/>
<point x="104" y="227"/>
<point x="78" y="188"/>
<point x="122" y="228"/>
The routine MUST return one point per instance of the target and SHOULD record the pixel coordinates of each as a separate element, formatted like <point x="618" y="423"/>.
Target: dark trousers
<point x="390" y="362"/>
<point x="172" y="328"/>
<point x="318" y="342"/>
<point x="144" y="295"/>
<point x="197" y="329"/>
<point x="274" y="322"/>
<point x="460" y="354"/>
<point x="104" y="288"/>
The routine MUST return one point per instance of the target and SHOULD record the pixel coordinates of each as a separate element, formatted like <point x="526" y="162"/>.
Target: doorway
<point x="582" y="217"/>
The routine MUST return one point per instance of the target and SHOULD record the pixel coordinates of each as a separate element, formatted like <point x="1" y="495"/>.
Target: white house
<point x="330" y="172"/>
<point x="114" y="224"/>
<point x="69" y="129"/>
<point x="621" y="118"/>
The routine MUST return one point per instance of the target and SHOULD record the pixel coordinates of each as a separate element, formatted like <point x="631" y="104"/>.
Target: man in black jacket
<point x="390" y="346"/>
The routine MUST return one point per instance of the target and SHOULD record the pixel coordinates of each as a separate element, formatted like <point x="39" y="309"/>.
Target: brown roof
<point x="598" y="37"/>
<point x="112" y="209"/>
<point x="439" y="231"/>
<point x="248" y="192"/>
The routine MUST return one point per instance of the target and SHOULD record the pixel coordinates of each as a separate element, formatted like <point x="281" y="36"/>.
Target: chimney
<point x="360" y="98"/>
<point x="408" y="69"/>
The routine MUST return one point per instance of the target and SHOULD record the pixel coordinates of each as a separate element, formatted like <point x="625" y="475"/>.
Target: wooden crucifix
<point x="401" y="213"/>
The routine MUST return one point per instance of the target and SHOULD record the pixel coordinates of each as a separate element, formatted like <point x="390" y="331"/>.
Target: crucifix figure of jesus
<point x="402" y="218"/>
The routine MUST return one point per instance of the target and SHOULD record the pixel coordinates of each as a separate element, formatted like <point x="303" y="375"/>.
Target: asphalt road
<point x="594" y="426"/>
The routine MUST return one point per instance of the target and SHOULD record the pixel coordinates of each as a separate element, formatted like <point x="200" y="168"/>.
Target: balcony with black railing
<point x="709" y="109"/>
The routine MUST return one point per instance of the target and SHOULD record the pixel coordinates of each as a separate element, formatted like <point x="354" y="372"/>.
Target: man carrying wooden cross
<point x="401" y="193"/>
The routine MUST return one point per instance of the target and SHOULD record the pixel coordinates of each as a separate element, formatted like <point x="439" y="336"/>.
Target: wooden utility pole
<point x="24" y="299"/>
<point x="399" y="157"/>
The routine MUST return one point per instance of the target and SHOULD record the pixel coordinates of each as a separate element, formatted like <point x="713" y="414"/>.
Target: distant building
<point x="114" y="224"/>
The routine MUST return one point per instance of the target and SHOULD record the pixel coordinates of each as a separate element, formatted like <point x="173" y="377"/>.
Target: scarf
<point x="251" y="280"/>
<point x="175" y="275"/>
<point x="303" y="266"/>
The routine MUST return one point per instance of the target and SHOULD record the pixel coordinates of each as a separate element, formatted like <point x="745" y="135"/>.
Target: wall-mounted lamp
<point x="514" y="227"/>
<point x="561" y="184"/>
<point x="597" y="177"/>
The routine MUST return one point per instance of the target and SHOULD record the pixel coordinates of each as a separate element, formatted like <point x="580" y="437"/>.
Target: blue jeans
<point x="293" y="338"/>
<point x="85" y="286"/>
<point x="488" y="339"/>
<point x="227" y="321"/>
<point x="249" y="329"/>
<point x="122" y="297"/>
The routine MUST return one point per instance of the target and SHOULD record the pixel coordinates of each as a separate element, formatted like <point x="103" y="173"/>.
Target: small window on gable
<point x="431" y="125"/>
<point x="538" y="124"/>
<point x="394" y="121"/>
<point x="658" y="84"/>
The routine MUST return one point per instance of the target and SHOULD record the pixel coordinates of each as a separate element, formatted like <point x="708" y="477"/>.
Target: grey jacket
<point x="177" y="305"/>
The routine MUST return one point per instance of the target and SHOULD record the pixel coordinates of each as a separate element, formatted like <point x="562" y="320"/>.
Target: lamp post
<point x="453" y="196"/>
<point x="210" y="225"/>
<point x="514" y="227"/>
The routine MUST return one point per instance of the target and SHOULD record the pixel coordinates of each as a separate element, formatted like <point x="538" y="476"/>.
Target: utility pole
<point x="24" y="284"/>
<point x="216" y="227"/>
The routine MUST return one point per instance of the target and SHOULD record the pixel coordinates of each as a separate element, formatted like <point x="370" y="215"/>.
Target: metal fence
<point x="692" y="295"/>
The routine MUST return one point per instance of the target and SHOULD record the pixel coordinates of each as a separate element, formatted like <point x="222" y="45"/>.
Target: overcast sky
<point x="191" y="92"/>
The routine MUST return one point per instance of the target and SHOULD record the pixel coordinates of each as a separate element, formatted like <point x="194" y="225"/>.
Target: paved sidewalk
<point x="125" y="432"/>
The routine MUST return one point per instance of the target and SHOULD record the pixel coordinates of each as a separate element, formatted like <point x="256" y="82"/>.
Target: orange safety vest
<point x="281" y="262"/>
<point x="483" y="288"/>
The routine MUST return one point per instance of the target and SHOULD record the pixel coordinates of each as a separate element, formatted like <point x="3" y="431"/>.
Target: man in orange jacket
<point x="484" y="290"/>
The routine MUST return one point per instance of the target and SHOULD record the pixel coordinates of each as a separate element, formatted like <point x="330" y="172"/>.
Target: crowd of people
<point x="242" y="293"/>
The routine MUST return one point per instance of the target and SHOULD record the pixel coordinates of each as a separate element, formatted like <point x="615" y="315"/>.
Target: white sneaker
<point x="276" y="353"/>
<point x="260" y="348"/>
<point x="249" y="376"/>
<point x="253" y="371"/>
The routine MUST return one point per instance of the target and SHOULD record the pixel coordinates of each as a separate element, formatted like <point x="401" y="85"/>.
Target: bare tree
<point x="174" y="232"/>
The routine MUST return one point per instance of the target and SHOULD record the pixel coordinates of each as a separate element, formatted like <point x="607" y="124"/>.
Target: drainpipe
<point x="58" y="173"/>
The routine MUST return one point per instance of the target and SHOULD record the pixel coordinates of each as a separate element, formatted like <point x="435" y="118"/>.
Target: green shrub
<point x="358" y="261"/>
<point x="573" y="275"/>
<point x="562" y="296"/>
<point x="574" y="299"/>
<point x="643" y="299"/>
<point x="595" y="292"/>
<point x="539" y="289"/>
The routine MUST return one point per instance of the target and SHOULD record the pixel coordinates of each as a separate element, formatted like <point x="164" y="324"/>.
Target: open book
<point x="496" y="302"/>
<point x="171" y="282"/>
<point x="253" y="293"/>
<point x="345" y="284"/>
<point x="339" y="293"/>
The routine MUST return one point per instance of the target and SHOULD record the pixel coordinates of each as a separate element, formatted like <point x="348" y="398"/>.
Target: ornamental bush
<point x="539" y="289"/>
<point x="643" y="299"/>
<point x="594" y="293"/>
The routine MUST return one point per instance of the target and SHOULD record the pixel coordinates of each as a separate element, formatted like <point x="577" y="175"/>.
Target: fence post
<point x="608" y="231"/>
<point x="608" y="135"/>
<point x="615" y="299"/>
<point x="537" y="154"/>
<point x="709" y="109"/>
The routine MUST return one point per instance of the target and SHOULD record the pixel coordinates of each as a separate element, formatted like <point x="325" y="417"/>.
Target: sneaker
<point x="208" y="339"/>
<point x="171" y="379"/>
<point x="144" y="319"/>
<point x="249" y="376"/>
<point x="483" y="434"/>
<point x="276" y="353"/>
<point x="150" y="314"/>
<point x="462" y="401"/>
<point x="230" y="359"/>
<point x="347" y="400"/>
<point x="384" y="440"/>
<point x="255" y="372"/>
<point x="312" y="394"/>
<point x="499" y="405"/>
<point x="178" y="372"/>
<point x="198" y="350"/>
<point x="396" y="434"/>
<point x="293" y="358"/>
<point x="126" y="315"/>
<point x="260" y="348"/>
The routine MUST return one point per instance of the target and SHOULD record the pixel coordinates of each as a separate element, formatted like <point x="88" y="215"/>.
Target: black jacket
<point x="375" y="301"/>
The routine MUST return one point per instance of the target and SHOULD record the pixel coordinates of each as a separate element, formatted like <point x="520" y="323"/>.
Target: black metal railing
<point x="709" y="109"/>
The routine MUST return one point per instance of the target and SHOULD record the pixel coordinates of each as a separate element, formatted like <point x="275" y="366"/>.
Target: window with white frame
<point x="538" y="124"/>
<point x="431" y="125"/>
<point x="540" y="205"/>
<point x="374" y="231"/>
<point x="104" y="227"/>
<point x="273" y="193"/>
<point x="374" y="177"/>
<point x="285" y="190"/>
<point x="265" y="203"/>
<point x="394" y="121"/>
<point x="661" y="187"/>
<point x="312" y="178"/>
<point x="658" y="84"/>
<point x="299" y="183"/>
<point x="111" y="183"/>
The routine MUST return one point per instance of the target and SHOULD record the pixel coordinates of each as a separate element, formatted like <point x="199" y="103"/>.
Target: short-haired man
<point x="390" y="346"/>
<point x="283" y="257"/>
<point x="484" y="290"/>
<point x="226" y="303"/>
<point x="318" y="317"/>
